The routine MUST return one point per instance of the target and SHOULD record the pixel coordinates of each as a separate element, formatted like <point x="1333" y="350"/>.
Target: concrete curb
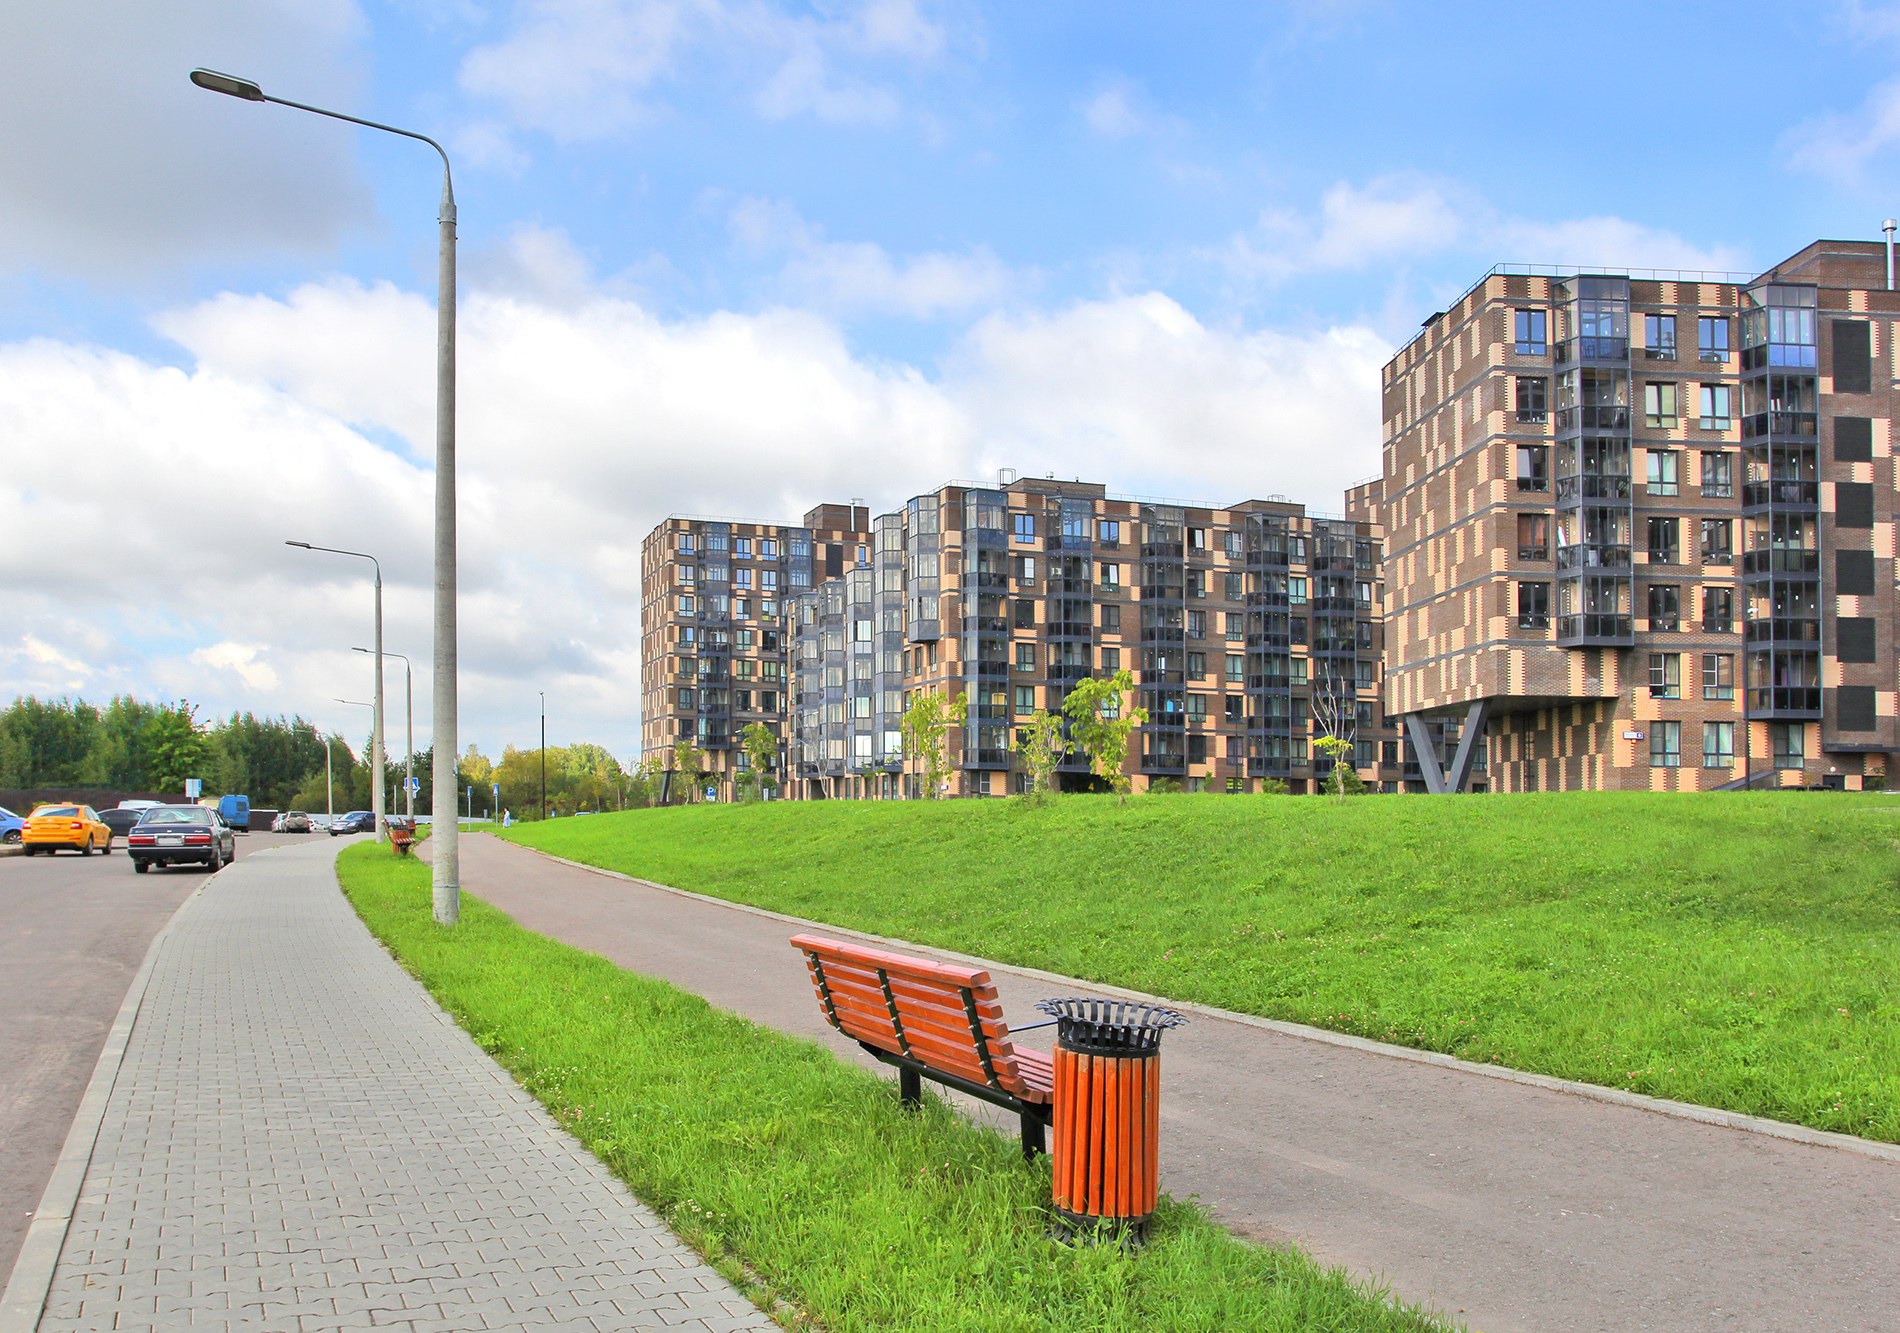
<point x="25" y="1295"/>
<point x="1708" y="1115"/>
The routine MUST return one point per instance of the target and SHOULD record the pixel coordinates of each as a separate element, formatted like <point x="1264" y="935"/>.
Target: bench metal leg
<point x="1032" y="1137"/>
<point x="910" y="1087"/>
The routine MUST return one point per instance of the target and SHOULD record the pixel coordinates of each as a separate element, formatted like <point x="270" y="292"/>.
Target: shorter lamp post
<point x="354" y="703"/>
<point x="409" y="719"/>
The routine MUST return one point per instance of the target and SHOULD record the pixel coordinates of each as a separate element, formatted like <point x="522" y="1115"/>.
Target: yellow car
<point x="51" y="827"/>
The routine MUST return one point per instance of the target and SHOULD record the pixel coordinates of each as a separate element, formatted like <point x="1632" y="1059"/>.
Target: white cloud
<point x="1111" y="112"/>
<point x="843" y="277"/>
<point x="583" y="421"/>
<point x="1843" y="147"/>
<point x="1391" y="219"/>
<point x="582" y="69"/>
<point x="116" y="166"/>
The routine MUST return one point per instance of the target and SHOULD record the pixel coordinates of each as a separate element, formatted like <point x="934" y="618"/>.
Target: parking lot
<point x="77" y="930"/>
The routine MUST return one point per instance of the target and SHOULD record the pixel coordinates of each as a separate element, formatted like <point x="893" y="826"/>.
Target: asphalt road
<point x="76" y="929"/>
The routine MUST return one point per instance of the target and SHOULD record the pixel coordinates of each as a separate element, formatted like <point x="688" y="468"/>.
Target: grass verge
<point x="1734" y="950"/>
<point x="798" y="1175"/>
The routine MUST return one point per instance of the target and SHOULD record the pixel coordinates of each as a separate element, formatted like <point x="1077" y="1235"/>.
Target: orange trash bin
<point x="1107" y="1113"/>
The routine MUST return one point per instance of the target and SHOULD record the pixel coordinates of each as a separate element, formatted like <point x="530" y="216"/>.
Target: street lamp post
<point x="376" y="722"/>
<point x="544" y="753"/>
<point x="446" y="858"/>
<point x="409" y="720"/>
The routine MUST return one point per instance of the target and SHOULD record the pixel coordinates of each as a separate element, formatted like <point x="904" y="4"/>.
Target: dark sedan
<point x="167" y="834"/>
<point x="356" y="821"/>
<point x="121" y="822"/>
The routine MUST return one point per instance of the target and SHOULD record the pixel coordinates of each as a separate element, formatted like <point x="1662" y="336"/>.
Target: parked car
<point x="120" y="821"/>
<point x="181" y="834"/>
<point x="10" y="826"/>
<point x="74" y="827"/>
<point x="356" y="821"/>
<point x="295" y="821"/>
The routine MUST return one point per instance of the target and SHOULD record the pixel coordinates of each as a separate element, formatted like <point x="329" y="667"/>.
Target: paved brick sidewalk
<point x="299" y="1139"/>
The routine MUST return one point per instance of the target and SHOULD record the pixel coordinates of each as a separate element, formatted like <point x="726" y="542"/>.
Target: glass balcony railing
<point x="1782" y="560"/>
<point x="1783" y="629"/>
<point x="1593" y="556"/>
<point x="1593" y="628"/>
<point x="1756" y="494"/>
<point x="1592" y="486"/>
<point x="1593" y="349"/>
<point x="1613" y="417"/>
<point x="1801" y="424"/>
<point x="1785" y="701"/>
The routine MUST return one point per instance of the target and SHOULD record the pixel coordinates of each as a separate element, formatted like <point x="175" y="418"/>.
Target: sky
<point x="738" y="257"/>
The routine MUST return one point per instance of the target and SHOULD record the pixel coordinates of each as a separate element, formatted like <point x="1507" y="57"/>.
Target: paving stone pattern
<point x="300" y="1139"/>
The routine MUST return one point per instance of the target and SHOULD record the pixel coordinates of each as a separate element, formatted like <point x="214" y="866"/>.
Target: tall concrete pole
<point x="447" y="873"/>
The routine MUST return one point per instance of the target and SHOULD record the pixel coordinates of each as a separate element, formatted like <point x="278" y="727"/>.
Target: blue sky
<point x="738" y="256"/>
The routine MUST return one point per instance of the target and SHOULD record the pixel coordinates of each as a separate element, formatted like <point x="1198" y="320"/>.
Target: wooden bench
<point x="402" y="835"/>
<point x="932" y="1020"/>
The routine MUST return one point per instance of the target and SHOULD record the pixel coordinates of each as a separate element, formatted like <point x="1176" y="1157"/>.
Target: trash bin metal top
<point x="1110" y="1027"/>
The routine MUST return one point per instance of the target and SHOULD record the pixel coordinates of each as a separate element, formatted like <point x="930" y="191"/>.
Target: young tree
<point x="761" y="750"/>
<point x="1100" y="726"/>
<point x="1042" y="746"/>
<point x="1333" y="719"/>
<point x="931" y="714"/>
<point x="688" y="764"/>
<point x="176" y="747"/>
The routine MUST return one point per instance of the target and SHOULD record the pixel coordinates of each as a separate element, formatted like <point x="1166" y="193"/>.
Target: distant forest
<point x="130" y="745"/>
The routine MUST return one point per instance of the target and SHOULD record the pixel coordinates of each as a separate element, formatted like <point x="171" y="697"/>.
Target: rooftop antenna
<point x="1888" y="227"/>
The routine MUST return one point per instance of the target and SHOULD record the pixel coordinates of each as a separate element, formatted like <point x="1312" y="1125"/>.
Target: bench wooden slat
<point x="912" y="1009"/>
<point x="862" y="1021"/>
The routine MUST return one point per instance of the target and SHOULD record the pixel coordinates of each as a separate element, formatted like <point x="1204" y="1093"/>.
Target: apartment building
<point x="714" y="640"/>
<point x="1239" y="625"/>
<point x="1640" y="528"/>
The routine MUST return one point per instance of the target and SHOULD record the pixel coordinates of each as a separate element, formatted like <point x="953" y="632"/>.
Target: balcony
<point x="1783" y="629"/>
<point x="1594" y="631"/>
<point x="1593" y="556"/>
<point x="982" y="580"/>
<point x="1782" y="560"/>
<point x="1592" y="486"/>
<point x="1592" y="349"/>
<point x="1800" y="424"/>
<point x="1785" y="701"/>
<point x="1760" y="494"/>
<point x="1613" y="417"/>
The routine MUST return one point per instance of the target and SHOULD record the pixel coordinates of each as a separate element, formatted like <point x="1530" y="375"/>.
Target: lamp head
<point x="227" y="84"/>
<point x="302" y="545"/>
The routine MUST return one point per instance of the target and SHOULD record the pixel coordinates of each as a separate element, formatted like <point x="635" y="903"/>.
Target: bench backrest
<point x="939" y="1014"/>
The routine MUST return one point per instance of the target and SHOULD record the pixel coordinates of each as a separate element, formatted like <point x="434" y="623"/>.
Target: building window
<point x="1533" y="536"/>
<point x="1112" y="618"/>
<point x="1296" y="590"/>
<point x="742" y="577"/>
<point x="688" y="575"/>
<point x="1111" y="660"/>
<point x="715" y="541"/>
<point x="1662" y="471"/>
<point x="1789" y="743"/>
<point x="1718" y="610"/>
<point x="1715" y="407"/>
<point x="1075" y="525"/>
<point x="1026" y="657"/>
<point x="1711" y="336"/>
<point x="1533" y="467"/>
<point x="1108" y="530"/>
<point x="1197" y="539"/>
<point x="1718" y="474"/>
<point x="1665" y="745"/>
<point x="1025" y="698"/>
<point x="1236" y="667"/>
<point x="1232" y="543"/>
<point x="1025" y="568"/>
<point x="686" y="699"/>
<point x="1024" y="526"/>
<point x="1197" y="583"/>
<point x="1197" y="708"/>
<point x="1533" y="606"/>
<point x="1109" y="575"/>
<point x="1234" y="710"/>
<point x="768" y="548"/>
<point x="686" y="544"/>
<point x="1197" y="665"/>
<point x="685" y="605"/>
<point x="1718" y="745"/>
<point x="1233" y="586"/>
<point x="1665" y="540"/>
<point x="1197" y="624"/>
<point x="1665" y="675"/>
<point x="1665" y="606"/>
<point x="1718" y="541"/>
<point x="1025" y="613"/>
<point x="1718" y="675"/>
<point x="1533" y="398"/>
<point x="1530" y="331"/>
<point x="1659" y="405"/>
<point x="1236" y="627"/>
<point x="742" y="548"/>
<point x="1659" y="337"/>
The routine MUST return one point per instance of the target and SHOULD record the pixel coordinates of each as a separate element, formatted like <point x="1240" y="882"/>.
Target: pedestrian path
<point x="298" y="1138"/>
<point x="1514" y="1208"/>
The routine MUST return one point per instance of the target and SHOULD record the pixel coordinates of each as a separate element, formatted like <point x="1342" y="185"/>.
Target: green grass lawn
<point x="1736" y="950"/>
<point x="800" y="1177"/>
